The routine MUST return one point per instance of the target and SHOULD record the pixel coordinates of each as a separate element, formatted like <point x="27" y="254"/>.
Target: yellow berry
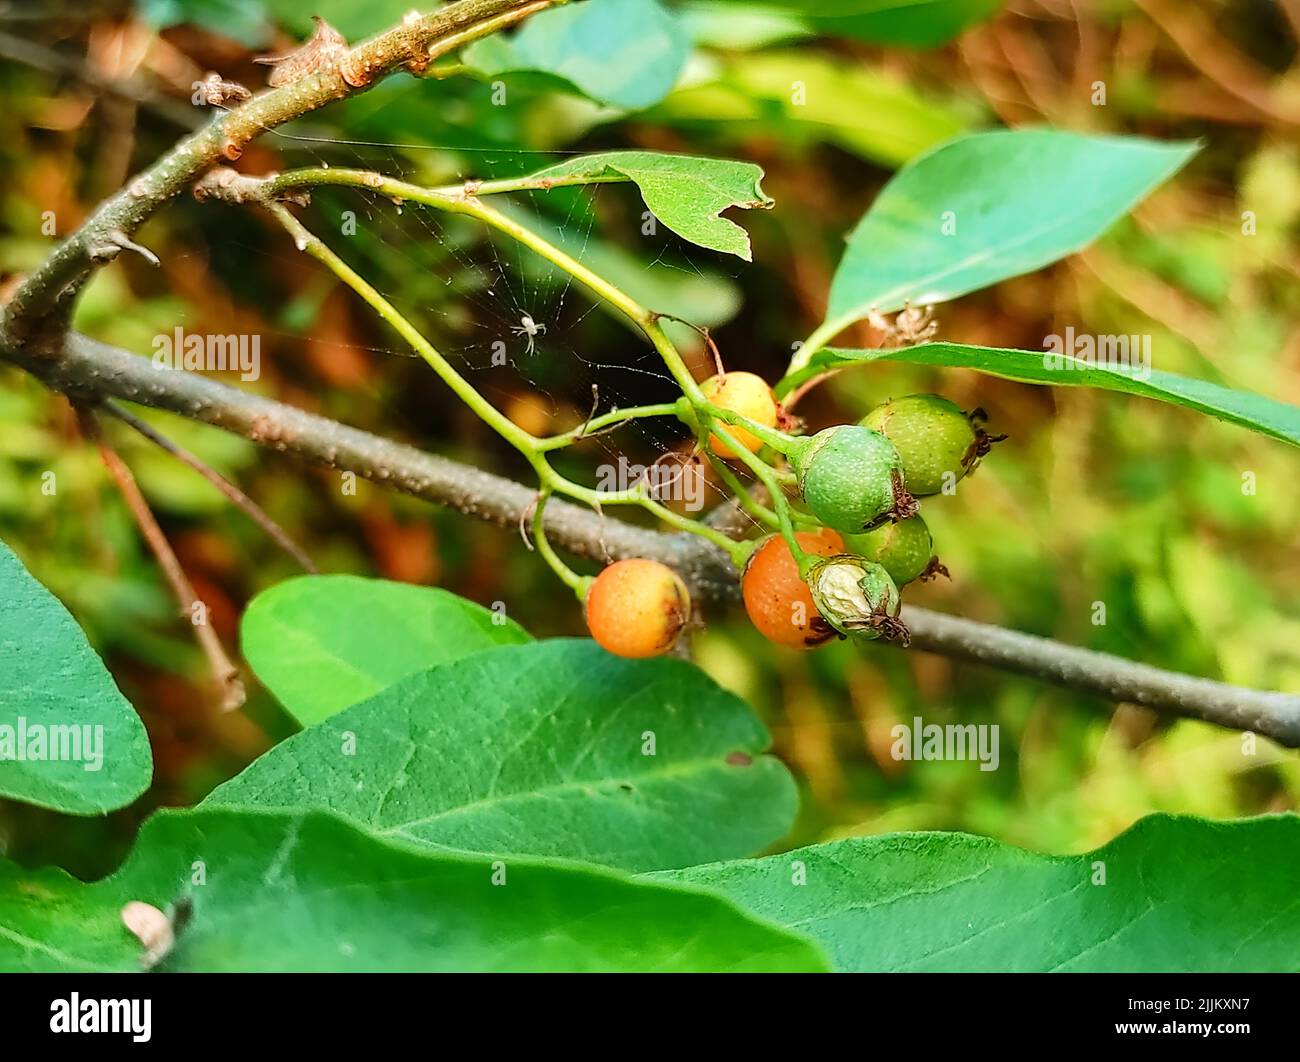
<point x="748" y="395"/>
<point x="637" y="608"/>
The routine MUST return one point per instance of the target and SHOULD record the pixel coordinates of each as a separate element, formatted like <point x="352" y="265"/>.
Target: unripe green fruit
<point x="936" y="441"/>
<point x="851" y="478"/>
<point x="903" y="549"/>
<point x="858" y="598"/>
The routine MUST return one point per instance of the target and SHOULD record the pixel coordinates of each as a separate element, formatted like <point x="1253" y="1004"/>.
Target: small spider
<point x="530" y="328"/>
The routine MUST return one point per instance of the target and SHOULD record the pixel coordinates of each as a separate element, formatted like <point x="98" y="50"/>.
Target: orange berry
<point x="637" y="608"/>
<point x="779" y="603"/>
<point x="748" y="395"/>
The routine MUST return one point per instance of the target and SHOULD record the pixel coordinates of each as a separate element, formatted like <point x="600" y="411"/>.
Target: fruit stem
<point x="575" y="582"/>
<point x="308" y="242"/>
<point x="767" y="476"/>
<point x="614" y="418"/>
<point x="747" y="501"/>
<point x="534" y="449"/>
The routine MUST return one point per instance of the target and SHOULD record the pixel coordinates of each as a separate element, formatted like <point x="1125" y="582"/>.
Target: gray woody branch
<point x="92" y="371"/>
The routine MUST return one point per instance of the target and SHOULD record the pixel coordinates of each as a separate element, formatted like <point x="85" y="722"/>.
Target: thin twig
<point x="254" y="511"/>
<point x="40" y="57"/>
<point x="223" y="671"/>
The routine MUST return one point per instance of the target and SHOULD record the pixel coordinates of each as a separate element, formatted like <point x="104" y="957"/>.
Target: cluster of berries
<point x="858" y="481"/>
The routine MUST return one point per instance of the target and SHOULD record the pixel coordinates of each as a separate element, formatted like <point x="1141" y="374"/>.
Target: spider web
<point x="476" y="288"/>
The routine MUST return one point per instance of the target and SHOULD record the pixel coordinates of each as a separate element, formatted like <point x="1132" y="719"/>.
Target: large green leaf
<point x="310" y="892"/>
<point x="685" y="192"/>
<point x="1265" y="415"/>
<point x="916" y="23"/>
<point x="69" y="740"/>
<point x="542" y="750"/>
<point x="989" y="206"/>
<point x="323" y="642"/>
<point x="624" y="52"/>
<point x="699" y="295"/>
<point x="1170" y="894"/>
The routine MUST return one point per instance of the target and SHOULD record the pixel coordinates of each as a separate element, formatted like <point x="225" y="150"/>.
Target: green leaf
<point x="323" y="642"/>
<point x="69" y="740"/>
<point x="356" y="21"/>
<point x="687" y="193"/>
<point x="1265" y="415"/>
<point x="915" y="23"/>
<point x="242" y="20"/>
<point x="1170" y="894"/>
<point x="312" y="893"/>
<point x="870" y="113"/>
<point x="989" y="206"/>
<point x="628" y="53"/>
<point x="912" y="23"/>
<point x="541" y="750"/>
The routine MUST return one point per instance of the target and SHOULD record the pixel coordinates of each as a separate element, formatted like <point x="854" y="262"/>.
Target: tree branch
<point x="90" y="371"/>
<point x="38" y="312"/>
<point x="33" y="334"/>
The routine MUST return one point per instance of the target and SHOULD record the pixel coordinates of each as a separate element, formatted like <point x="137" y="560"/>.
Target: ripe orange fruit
<point x="779" y="603"/>
<point x="748" y="395"/>
<point x="637" y="608"/>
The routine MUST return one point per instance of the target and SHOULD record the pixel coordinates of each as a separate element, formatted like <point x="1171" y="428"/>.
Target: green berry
<point x="858" y="598"/>
<point x="851" y="478"/>
<point x="936" y="441"/>
<point x="903" y="549"/>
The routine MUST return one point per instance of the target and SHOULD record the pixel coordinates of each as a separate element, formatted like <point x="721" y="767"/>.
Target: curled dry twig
<point x="191" y="607"/>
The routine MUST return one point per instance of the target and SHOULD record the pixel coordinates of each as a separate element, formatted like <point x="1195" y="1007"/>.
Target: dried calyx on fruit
<point x="637" y="608"/>
<point x="858" y="598"/>
<point x="905" y="550"/>
<point x="777" y="600"/>
<point x="851" y="478"/>
<point x="937" y="443"/>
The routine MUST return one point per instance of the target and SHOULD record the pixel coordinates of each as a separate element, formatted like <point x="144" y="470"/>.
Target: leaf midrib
<point x="554" y="789"/>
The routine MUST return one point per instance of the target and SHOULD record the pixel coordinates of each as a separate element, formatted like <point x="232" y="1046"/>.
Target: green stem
<point x="638" y="496"/>
<point x="777" y="440"/>
<point x="529" y="184"/>
<point x="821" y="335"/>
<point x="613" y="417"/>
<point x="575" y="582"/>
<point x="748" y="502"/>
<point x="767" y="477"/>
<point x="530" y="446"/>
<point x="488" y="413"/>
<point x="310" y="176"/>
<point x="464" y="200"/>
